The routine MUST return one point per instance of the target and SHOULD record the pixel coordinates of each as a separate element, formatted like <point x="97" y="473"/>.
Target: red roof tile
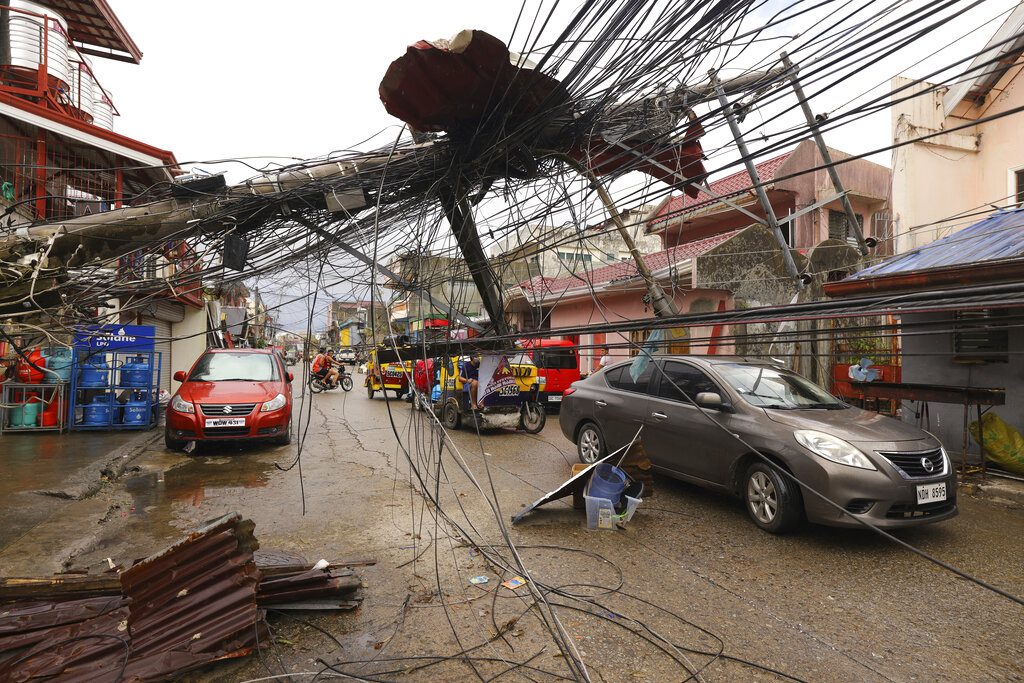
<point x="626" y="270"/>
<point x="728" y="187"/>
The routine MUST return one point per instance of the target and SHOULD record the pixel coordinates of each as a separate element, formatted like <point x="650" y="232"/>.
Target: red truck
<point x="558" y="362"/>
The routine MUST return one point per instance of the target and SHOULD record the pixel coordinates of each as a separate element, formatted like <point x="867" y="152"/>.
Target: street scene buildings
<point x="615" y="341"/>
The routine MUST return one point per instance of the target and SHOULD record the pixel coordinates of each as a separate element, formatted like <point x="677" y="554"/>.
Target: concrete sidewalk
<point x="49" y="461"/>
<point x="43" y="472"/>
<point x="995" y="489"/>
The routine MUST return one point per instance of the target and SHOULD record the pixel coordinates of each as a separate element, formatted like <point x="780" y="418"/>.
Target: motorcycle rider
<point x="323" y="367"/>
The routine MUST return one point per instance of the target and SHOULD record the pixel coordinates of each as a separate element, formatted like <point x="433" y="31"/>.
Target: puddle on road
<point x="193" y="482"/>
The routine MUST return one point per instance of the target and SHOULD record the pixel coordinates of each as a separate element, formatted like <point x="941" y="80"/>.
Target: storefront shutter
<point x="162" y="345"/>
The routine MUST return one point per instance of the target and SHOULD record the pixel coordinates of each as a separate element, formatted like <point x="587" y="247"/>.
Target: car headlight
<point x="275" y="403"/>
<point x="832" y="448"/>
<point x="178" y="404"/>
<point x="947" y="464"/>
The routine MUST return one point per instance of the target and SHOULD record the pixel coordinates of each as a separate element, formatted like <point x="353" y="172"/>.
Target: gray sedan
<point x="706" y="419"/>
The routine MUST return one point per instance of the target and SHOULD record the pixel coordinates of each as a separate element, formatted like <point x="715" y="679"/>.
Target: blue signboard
<point x="115" y="337"/>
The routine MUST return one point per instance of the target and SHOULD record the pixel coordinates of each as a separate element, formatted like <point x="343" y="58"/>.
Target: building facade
<point x="793" y="183"/>
<point x="553" y="252"/>
<point x="60" y="157"/>
<point x="959" y="155"/>
<point x="975" y="346"/>
<point x="715" y="258"/>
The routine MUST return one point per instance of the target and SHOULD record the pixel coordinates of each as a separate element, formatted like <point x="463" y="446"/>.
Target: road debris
<point x="201" y="600"/>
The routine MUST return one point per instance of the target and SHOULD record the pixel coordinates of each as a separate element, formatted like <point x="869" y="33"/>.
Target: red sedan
<point x="231" y="394"/>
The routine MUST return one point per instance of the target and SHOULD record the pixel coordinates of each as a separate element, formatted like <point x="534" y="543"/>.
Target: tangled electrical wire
<point x="629" y="71"/>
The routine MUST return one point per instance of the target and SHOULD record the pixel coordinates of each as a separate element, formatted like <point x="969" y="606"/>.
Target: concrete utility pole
<point x="826" y="156"/>
<point x="662" y="304"/>
<point x="762" y="196"/>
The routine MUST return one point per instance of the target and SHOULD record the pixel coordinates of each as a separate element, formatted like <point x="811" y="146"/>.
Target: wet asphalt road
<point x="689" y="576"/>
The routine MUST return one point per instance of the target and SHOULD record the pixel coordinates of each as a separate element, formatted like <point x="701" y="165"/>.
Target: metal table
<point x="941" y="393"/>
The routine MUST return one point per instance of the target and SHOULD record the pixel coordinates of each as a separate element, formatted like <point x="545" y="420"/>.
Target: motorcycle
<point x="317" y="385"/>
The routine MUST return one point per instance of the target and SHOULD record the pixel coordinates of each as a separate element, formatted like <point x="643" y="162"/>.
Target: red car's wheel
<point x="173" y="444"/>
<point x="285" y="438"/>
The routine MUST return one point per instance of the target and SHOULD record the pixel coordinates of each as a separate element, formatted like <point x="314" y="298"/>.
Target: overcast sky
<point x="230" y="79"/>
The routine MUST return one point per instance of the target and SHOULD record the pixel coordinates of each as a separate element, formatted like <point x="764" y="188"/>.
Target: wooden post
<point x="40" y="173"/>
<point x="118" y="188"/>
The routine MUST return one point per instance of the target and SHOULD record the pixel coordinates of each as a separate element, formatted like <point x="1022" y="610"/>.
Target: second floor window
<point x="574" y="260"/>
<point x="1018" y="178"/>
<point x="839" y="226"/>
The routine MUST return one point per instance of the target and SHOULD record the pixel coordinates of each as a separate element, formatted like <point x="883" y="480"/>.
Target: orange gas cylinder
<point x="26" y="372"/>
<point x="49" y="415"/>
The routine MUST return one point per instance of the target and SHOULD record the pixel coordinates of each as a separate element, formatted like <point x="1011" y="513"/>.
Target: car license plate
<point x="931" y="493"/>
<point x="226" y="422"/>
<point x="555" y="399"/>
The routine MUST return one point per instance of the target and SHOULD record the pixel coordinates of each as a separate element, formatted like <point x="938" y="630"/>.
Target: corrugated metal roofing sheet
<point x="185" y="607"/>
<point x="997" y="238"/>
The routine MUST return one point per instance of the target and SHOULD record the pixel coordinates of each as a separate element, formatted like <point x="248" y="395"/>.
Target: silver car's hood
<point x="849" y="424"/>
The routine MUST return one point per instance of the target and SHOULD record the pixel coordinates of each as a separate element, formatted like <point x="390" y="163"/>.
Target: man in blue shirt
<point x="469" y="375"/>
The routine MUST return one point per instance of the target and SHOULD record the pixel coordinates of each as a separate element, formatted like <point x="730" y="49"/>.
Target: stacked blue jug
<point x="136" y="410"/>
<point x="97" y="413"/>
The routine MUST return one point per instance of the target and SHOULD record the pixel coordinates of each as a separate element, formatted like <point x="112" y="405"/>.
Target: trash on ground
<point x="575" y="484"/>
<point x="478" y="579"/>
<point x="514" y="583"/>
<point x="610" y="501"/>
<point x="604" y="512"/>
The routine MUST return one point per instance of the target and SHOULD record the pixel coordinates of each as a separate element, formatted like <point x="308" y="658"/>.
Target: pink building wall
<point x="629" y="306"/>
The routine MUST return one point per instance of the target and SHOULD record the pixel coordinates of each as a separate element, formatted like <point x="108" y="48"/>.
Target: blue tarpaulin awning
<point x="998" y="237"/>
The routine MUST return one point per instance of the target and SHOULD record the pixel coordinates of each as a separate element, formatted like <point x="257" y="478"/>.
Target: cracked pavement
<point x="821" y="604"/>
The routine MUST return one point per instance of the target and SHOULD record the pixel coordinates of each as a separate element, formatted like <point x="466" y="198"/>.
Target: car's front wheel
<point x="173" y="444"/>
<point x="590" y="444"/>
<point x="285" y="438"/>
<point x="773" y="502"/>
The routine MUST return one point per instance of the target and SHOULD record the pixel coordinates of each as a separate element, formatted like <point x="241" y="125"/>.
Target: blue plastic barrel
<point x="58" y="364"/>
<point x="16" y="415"/>
<point x="607" y="481"/>
<point x="136" y="372"/>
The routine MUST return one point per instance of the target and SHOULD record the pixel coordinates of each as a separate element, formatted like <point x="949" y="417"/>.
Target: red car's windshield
<point x="238" y="367"/>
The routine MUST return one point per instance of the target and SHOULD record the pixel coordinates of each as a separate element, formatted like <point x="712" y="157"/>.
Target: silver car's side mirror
<point x="709" y="399"/>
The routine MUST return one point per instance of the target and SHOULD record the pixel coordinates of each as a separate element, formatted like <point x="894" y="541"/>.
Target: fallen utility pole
<point x="748" y="161"/>
<point x="826" y="156"/>
<point x="457" y="210"/>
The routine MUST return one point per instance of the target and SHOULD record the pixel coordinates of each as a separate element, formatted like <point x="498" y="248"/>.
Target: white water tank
<point x="26" y="38"/>
<point x="83" y="89"/>
<point x="103" y="109"/>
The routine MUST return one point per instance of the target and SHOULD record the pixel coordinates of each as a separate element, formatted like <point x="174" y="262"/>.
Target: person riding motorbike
<point x="324" y="367"/>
